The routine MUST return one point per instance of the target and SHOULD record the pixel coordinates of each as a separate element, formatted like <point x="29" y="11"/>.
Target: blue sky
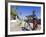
<point x="27" y="10"/>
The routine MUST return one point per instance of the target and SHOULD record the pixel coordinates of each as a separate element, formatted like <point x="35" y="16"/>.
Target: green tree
<point x="13" y="12"/>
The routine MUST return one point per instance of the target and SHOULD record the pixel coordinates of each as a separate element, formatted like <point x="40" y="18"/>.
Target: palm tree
<point x="13" y="13"/>
<point x="34" y="21"/>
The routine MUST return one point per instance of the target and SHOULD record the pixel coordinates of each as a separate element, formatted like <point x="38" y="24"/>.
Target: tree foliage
<point x="13" y="12"/>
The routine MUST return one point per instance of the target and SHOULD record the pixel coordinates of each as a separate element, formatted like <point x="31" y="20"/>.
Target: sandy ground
<point x="14" y="26"/>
